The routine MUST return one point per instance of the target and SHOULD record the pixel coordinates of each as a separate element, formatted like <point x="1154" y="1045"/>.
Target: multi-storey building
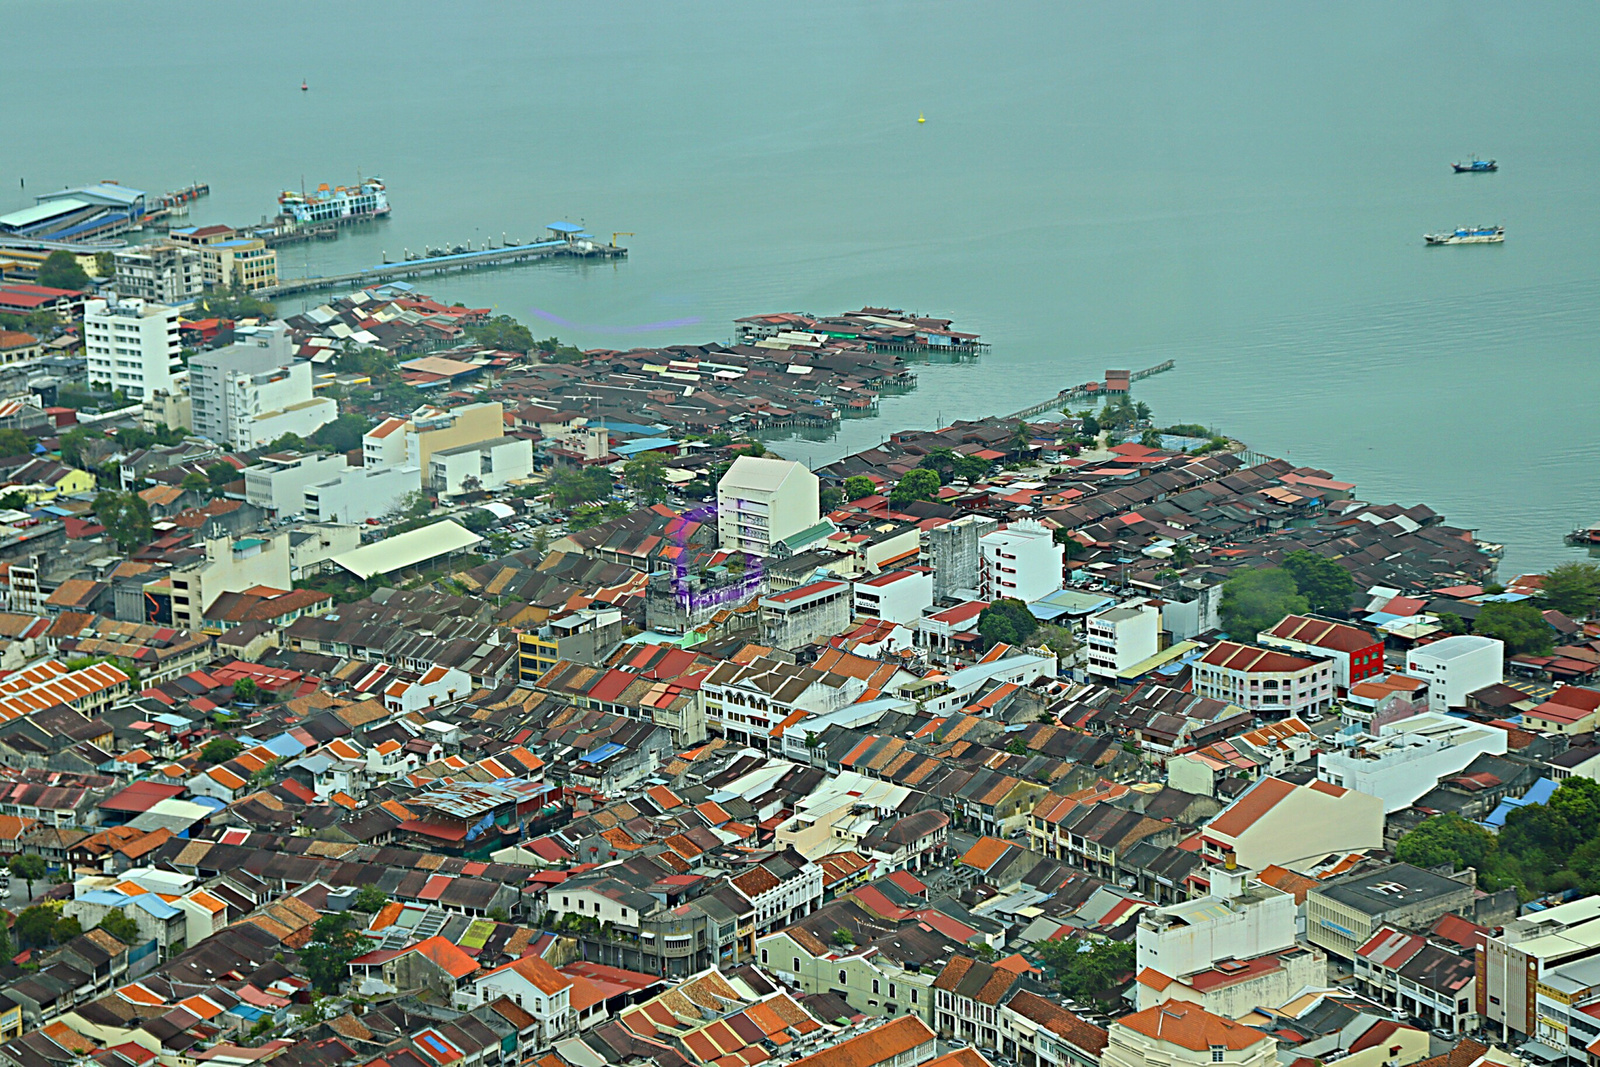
<point x="1264" y="682"/>
<point x="132" y="345"/>
<point x="1407" y="758"/>
<point x="278" y="481"/>
<point x="897" y="596"/>
<point x="255" y="390"/>
<point x="1020" y="562"/>
<point x="761" y="501"/>
<point x="951" y="551"/>
<point x="1122" y="636"/>
<point x="1456" y="666"/>
<point x="1356" y="654"/>
<point x="162" y="273"/>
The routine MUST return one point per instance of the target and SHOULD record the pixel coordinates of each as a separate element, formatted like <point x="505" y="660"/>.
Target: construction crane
<point x="620" y="233"/>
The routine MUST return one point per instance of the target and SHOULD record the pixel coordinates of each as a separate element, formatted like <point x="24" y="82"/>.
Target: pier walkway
<point x="1089" y="391"/>
<point x="447" y="264"/>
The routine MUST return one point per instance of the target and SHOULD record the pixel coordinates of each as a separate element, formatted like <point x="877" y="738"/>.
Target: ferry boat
<point x="368" y="200"/>
<point x="1477" y="166"/>
<point x="1472" y="235"/>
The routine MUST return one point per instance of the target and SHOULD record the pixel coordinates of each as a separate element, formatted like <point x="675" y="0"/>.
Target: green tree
<point x="1520" y="625"/>
<point x="60" y="270"/>
<point x="369" y="898"/>
<point x="569" y="488"/>
<point x="503" y="332"/>
<point x="72" y="443"/>
<point x="289" y="442"/>
<point x="234" y="304"/>
<point x="1017" y="747"/>
<point x="1326" y="586"/>
<point x="1257" y="599"/>
<point x="843" y="938"/>
<point x="1151" y="439"/>
<point x="36" y="926"/>
<point x="1442" y="839"/>
<point x="223" y="749"/>
<point x="830" y="498"/>
<point x="120" y="927"/>
<point x="1006" y="621"/>
<point x="221" y="474"/>
<point x="335" y="941"/>
<point x="1021" y="439"/>
<point x="342" y="434"/>
<point x="1572" y="589"/>
<point x="126" y="518"/>
<point x="586" y="515"/>
<point x="1089" y="971"/>
<point x="245" y="689"/>
<point x="918" y="484"/>
<point x="859" y="486"/>
<point x="15" y="443"/>
<point x="28" y="867"/>
<point x="1182" y="555"/>
<point x="646" y="475"/>
<point x="1453" y="624"/>
<point x="16" y="500"/>
<point x="1089" y="425"/>
<point x="105" y="264"/>
<point x="194" y="482"/>
<point x="1071" y="547"/>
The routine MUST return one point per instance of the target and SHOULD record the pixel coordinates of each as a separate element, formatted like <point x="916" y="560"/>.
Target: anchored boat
<point x="1477" y="166"/>
<point x="1472" y="235"/>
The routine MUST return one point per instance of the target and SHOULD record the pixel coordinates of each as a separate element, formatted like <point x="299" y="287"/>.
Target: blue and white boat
<point x="1477" y="166"/>
<point x="1472" y="235"/>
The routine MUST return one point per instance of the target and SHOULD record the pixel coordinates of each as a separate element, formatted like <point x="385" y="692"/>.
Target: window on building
<point x="796" y="967"/>
<point x="763" y="955"/>
<point x="1216" y="1054"/>
<point x="842" y="978"/>
<point x="874" y="985"/>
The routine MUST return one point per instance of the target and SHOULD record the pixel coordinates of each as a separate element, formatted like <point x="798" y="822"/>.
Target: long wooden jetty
<point x="1088" y="391"/>
<point x="447" y="264"/>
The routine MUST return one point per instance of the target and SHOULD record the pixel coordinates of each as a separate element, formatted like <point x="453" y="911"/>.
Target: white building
<point x="536" y="987"/>
<point x="231" y="565"/>
<point x="439" y="687"/>
<point x="254" y="391"/>
<point x="1264" y="682"/>
<point x="1021" y="562"/>
<point x="163" y="273"/>
<point x="278" y="481"/>
<point x="1407" y="758"/>
<point x="413" y="441"/>
<point x="361" y="493"/>
<point x="1229" y="951"/>
<point x="762" y="500"/>
<point x="132" y="345"/>
<point x="484" y="465"/>
<point x="898" y="596"/>
<point x="1456" y="666"/>
<point x="1122" y="636"/>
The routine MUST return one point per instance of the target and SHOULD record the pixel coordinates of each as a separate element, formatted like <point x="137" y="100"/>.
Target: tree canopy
<point x="235" y="304"/>
<point x="950" y="465"/>
<point x="1520" y="625"/>
<point x="60" y="270"/>
<point x="918" y="484"/>
<point x="1089" y="971"/>
<point x="1572" y="589"/>
<point x="120" y="927"/>
<point x="126" y="518"/>
<point x="1326" y="586"/>
<point x="1257" y="599"/>
<point x="572" y="487"/>
<point x="1007" y="621"/>
<point x="503" y="332"/>
<point x="342" y="434"/>
<point x="1541" y="848"/>
<point x="221" y="749"/>
<point x="859" y="486"/>
<point x="335" y="941"/>
<point x="646" y="475"/>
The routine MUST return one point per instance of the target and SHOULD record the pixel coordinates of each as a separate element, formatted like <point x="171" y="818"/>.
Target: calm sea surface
<point x="1241" y="187"/>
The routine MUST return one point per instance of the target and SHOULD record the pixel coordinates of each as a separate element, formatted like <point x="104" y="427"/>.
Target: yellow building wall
<point x="473" y="423"/>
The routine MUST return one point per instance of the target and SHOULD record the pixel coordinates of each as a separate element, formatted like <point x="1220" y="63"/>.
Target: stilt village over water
<point x="382" y="685"/>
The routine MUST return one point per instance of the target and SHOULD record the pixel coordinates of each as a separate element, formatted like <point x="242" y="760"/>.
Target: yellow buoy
<point x="920" y="118"/>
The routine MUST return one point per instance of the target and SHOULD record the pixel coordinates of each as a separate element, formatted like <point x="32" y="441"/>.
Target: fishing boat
<point x="1477" y="166"/>
<point x="304" y="86"/>
<point x="1471" y="235"/>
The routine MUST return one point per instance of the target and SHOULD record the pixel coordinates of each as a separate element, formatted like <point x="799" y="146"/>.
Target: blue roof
<point x="1540" y="793"/>
<point x="564" y="227"/>
<point x="208" y="802"/>
<point x="154" y="905"/>
<point x="620" y="427"/>
<point x="284" y="744"/>
<point x="605" y="751"/>
<point x="648" y="444"/>
<point x="106" y="897"/>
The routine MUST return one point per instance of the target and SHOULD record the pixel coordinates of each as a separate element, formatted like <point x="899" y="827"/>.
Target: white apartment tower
<point x="254" y="391"/>
<point x="1122" y="636"/>
<point x="761" y="501"/>
<point x="132" y="345"/>
<point x="1021" y="562"/>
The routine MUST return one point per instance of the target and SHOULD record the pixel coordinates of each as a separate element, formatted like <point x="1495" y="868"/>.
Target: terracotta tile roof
<point x="1192" y="1027"/>
<point x="1242" y="814"/>
<point x="985" y="852"/>
<point x="883" y="1044"/>
<point x="448" y="957"/>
